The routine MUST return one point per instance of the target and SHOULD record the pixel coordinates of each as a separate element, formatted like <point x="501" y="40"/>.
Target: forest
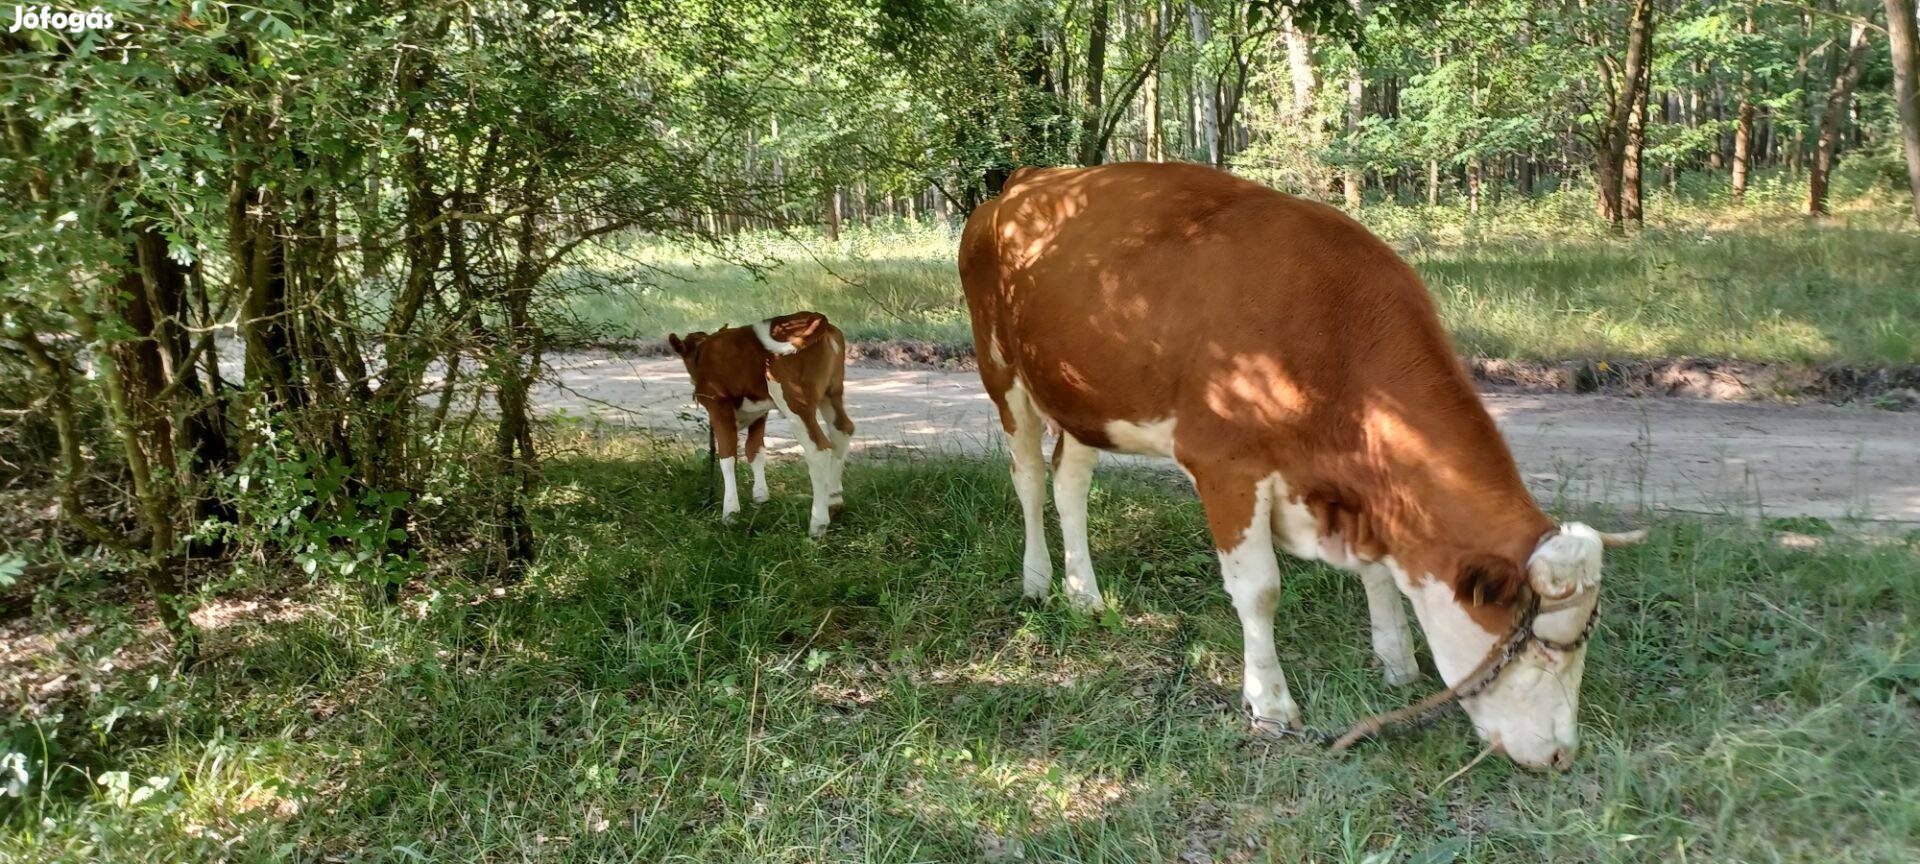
<point x="286" y="283"/>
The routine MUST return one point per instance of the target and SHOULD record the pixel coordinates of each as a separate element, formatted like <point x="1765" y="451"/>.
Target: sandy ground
<point x="1656" y="453"/>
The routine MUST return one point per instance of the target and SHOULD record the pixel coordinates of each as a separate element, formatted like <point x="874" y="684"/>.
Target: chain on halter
<point x="1424" y="712"/>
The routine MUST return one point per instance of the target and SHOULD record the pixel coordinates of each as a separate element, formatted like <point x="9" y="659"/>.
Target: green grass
<point x="665" y="689"/>
<point x="1524" y="280"/>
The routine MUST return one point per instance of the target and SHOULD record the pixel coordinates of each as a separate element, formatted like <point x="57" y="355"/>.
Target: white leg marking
<point x="1029" y="482"/>
<point x="759" y="465"/>
<point x="730" y="500"/>
<point x="841" y="441"/>
<point x="1252" y="576"/>
<point x="819" y="467"/>
<point x="1071" y="480"/>
<point x="1392" y="642"/>
<point x="819" y="462"/>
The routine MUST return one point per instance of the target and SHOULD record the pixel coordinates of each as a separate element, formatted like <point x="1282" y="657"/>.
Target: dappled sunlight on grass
<point x="663" y="687"/>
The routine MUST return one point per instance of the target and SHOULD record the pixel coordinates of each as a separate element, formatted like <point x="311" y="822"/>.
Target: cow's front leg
<point x="1239" y="512"/>
<point x="726" y="437"/>
<point x="1387" y="619"/>
<point x="1072" y="479"/>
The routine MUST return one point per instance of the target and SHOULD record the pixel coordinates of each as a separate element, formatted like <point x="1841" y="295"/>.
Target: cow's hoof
<point x="1285" y="724"/>
<point x="1085" y="602"/>
<point x="1401" y="676"/>
<point x="817" y="530"/>
<point x="760" y="497"/>
<point x="727" y="518"/>
<point x="835" y="506"/>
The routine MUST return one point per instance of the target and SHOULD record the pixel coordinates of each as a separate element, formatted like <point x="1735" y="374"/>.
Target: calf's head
<point x="687" y="346"/>
<point x="1529" y="711"/>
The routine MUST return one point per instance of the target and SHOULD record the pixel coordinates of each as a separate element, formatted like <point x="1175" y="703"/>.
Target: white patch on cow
<point x="1294" y="528"/>
<point x="751" y="410"/>
<point x="993" y="351"/>
<point x="759" y="465"/>
<point x="730" y="498"/>
<point x="1252" y="578"/>
<point x="819" y="462"/>
<point x="1072" y="479"/>
<point x="763" y="330"/>
<point x="1029" y="483"/>
<point x="1153" y="438"/>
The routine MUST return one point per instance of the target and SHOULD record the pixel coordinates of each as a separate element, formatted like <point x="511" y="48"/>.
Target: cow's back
<point x="1141" y="292"/>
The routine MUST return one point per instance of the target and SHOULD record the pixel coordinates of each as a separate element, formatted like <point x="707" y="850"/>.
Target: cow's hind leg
<point x="757" y="457"/>
<point x="1029" y="482"/>
<point x="1392" y="642"/>
<point x="839" y="428"/>
<point x="1072" y="478"/>
<point x="814" y="446"/>
<point x="1239" y="512"/>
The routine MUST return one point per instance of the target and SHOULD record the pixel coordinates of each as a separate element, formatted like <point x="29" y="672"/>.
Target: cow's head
<point x="686" y="346"/>
<point x="1530" y="710"/>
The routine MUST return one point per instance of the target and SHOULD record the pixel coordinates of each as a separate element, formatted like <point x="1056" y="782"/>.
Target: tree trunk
<point x="1350" y="177"/>
<point x="1743" y="127"/>
<point x="1092" y="149"/>
<point x="1610" y="154"/>
<point x="1838" y="95"/>
<point x="1150" y="101"/>
<point x="1208" y="121"/>
<point x="1632" y="205"/>
<point x="1901" y="33"/>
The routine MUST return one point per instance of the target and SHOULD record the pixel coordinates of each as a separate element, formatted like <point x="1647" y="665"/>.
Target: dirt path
<point x="1682" y="454"/>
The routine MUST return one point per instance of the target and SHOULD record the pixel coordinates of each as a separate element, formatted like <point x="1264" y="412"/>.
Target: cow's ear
<point x="673" y="341"/>
<point x="1484" y="579"/>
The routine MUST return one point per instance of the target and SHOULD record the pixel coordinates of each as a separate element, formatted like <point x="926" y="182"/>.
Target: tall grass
<point x="665" y="689"/>
<point x="1533" y="278"/>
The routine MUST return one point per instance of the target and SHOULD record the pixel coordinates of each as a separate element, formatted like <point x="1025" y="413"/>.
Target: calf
<point x="794" y="363"/>
<point x="1295" y="368"/>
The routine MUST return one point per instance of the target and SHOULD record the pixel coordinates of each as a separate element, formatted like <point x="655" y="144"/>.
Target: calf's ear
<point x="673" y="341"/>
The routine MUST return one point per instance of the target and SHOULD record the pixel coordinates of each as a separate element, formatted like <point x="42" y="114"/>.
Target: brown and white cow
<point x="1294" y="366"/>
<point x="794" y="363"/>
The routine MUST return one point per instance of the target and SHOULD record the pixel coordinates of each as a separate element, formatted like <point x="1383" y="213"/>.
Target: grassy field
<point x="1525" y="280"/>
<point x="665" y="689"/>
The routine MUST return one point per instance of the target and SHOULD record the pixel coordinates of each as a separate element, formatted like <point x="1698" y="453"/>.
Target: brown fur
<point x="731" y="366"/>
<point x="1279" y="334"/>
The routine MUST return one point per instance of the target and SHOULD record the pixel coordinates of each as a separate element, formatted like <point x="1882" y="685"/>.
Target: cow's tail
<point x="790" y="334"/>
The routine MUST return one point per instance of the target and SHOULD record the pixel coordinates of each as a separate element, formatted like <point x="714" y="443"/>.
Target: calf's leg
<point x="839" y="429"/>
<point x="1072" y="478"/>
<point x="813" y="445"/>
<point x="726" y="437"/>
<point x="1239" y="513"/>
<point x="757" y="457"/>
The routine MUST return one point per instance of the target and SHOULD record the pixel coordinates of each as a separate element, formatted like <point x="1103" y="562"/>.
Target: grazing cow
<point x="1295" y="368"/>
<point x="795" y="363"/>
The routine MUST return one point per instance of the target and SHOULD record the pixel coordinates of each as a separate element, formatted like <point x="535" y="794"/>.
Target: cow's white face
<point x="1530" y="711"/>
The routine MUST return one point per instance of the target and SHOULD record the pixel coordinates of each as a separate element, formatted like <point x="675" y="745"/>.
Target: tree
<point x="1623" y="83"/>
<point x="1901" y="39"/>
<point x="1839" y="92"/>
